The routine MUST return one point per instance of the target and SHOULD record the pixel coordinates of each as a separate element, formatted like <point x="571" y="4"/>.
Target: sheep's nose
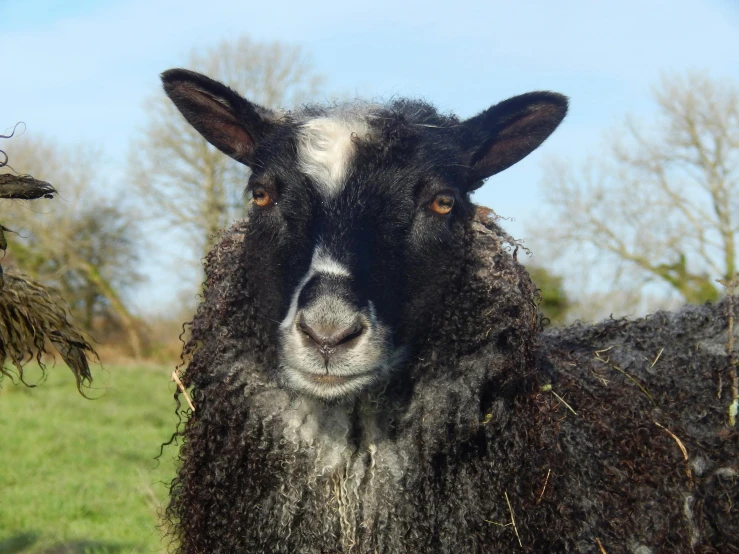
<point x="328" y="337"/>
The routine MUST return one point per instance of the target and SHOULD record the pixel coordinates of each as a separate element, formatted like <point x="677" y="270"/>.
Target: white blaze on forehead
<point x="322" y="263"/>
<point x="326" y="148"/>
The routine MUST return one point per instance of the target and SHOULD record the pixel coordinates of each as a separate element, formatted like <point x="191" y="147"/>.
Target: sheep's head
<point x="357" y="217"/>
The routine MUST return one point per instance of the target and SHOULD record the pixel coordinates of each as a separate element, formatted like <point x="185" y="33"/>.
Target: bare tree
<point x="661" y="204"/>
<point x="186" y="182"/>
<point x="84" y="244"/>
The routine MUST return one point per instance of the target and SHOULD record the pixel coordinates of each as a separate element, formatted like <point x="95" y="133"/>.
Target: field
<point x="78" y="476"/>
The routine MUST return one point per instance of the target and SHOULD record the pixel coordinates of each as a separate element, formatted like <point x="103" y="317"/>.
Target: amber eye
<point x="443" y="204"/>
<point x="260" y="197"/>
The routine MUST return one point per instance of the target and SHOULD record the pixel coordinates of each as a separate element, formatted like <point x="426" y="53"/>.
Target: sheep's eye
<point x="442" y="204"/>
<point x="260" y="197"/>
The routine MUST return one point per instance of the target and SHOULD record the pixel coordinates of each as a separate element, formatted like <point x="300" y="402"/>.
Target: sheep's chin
<point x="329" y="387"/>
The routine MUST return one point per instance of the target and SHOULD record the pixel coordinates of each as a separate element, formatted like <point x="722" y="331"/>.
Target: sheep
<point x="369" y="374"/>
<point x="33" y="316"/>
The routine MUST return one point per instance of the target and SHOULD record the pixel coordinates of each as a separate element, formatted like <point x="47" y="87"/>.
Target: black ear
<point x="226" y="119"/>
<point x="508" y="132"/>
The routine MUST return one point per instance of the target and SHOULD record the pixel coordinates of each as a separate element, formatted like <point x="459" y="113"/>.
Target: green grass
<point x="78" y="476"/>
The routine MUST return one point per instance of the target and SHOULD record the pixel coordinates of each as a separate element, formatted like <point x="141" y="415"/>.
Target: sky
<point x="79" y="71"/>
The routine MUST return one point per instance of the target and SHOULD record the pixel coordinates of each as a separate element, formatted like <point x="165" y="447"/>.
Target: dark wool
<point x="465" y="425"/>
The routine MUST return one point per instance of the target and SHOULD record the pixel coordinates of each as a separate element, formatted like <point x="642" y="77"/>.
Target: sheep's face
<point x="359" y="226"/>
<point x="357" y="218"/>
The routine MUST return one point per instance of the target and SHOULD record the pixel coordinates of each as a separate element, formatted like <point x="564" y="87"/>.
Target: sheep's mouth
<point x="328" y="379"/>
<point x="330" y="386"/>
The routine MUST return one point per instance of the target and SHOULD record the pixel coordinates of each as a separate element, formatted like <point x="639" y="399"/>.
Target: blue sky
<point x="79" y="70"/>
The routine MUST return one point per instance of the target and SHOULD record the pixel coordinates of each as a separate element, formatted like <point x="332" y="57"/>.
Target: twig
<point x="176" y="379"/>
<point x="513" y="519"/>
<point x="541" y="494"/>
<point x="496" y="523"/>
<point x="607" y="362"/>
<point x="682" y="449"/>
<point x="602" y="550"/>
<point x="657" y="358"/>
<point x="719" y="386"/>
<point x="548" y="388"/>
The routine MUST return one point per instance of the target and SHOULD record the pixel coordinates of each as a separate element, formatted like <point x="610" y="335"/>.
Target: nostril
<point x="302" y="325"/>
<point x="329" y="336"/>
<point x="308" y="330"/>
<point x="351" y="332"/>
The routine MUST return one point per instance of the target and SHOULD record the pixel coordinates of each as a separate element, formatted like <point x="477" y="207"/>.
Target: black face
<point x="356" y="243"/>
<point x="357" y="217"/>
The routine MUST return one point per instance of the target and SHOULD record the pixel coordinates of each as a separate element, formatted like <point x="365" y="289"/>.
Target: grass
<point x="78" y="476"/>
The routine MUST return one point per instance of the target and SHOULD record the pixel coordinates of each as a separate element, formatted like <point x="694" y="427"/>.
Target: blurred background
<point x="631" y="206"/>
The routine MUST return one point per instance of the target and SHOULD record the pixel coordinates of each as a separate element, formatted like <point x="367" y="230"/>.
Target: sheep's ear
<point x="224" y="118"/>
<point x="508" y="132"/>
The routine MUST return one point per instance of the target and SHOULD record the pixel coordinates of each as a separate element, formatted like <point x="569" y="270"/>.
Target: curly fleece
<point x="471" y="424"/>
